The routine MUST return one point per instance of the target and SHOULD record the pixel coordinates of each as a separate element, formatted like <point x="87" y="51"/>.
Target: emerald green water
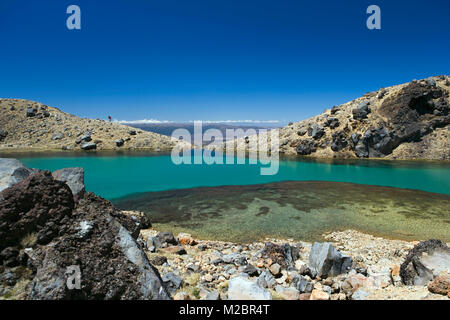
<point x="121" y="175"/>
<point x="406" y="200"/>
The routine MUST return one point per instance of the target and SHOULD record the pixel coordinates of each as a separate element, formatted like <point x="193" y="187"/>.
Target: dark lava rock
<point x="31" y="112"/>
<point x="167" y="237"/>
<point x="332" y="122"/>
<point x="284" y="255"/>
<point x="119" y="142"/>
<point x="3" y="134"/>
<point x="303" y="285"/>
<point x="301" y="132"/>
<point x="425" y="262"/>
<point x="91" y="237"/>
<point x="86" y="137"/>
<point x="306" y="147"/>
<point x="58" y="136"/>
<point x="326" y="261"/>
<point x="361" y="111"/>
<point x="158" y="260"/>
<point x="89" y="146"/>
<point x="354" y="139"/>
<point x="132" y="132"/>
<point x="251" y="270"/>
<point x="361" y="149"/>
<point x="339" y="141"/>
<point x="382" y="94"/>
<point x="376" y="143"/>
<point x="317" y="131"/>
<point x="37" y="205"/>
<point x="412" y="111"/>
<point x="334" y="110"/>
<point x="172" y="282"/>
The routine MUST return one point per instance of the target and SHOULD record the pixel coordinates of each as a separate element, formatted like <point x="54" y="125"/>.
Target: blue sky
<point x="215" y="59"/>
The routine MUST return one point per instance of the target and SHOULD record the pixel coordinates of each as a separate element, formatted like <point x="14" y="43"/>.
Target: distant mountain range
<point x="167" y="128"/>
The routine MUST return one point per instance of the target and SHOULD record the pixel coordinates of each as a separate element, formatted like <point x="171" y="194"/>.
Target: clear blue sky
<point x="215" y="59"/>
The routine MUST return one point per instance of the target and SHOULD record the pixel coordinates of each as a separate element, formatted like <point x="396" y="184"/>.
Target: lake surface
<point x="406" y="200"/>
<point x="117" y="176"/>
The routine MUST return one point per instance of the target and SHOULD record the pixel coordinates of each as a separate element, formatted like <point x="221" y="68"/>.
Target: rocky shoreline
<point x="51" y="227"/>
<point x="368" y="268"/>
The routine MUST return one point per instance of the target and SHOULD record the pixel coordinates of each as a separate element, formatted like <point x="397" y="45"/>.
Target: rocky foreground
<point x="28" y="125"/>
<point x="351" y="266"/>
<point x="407" y="121"/>
<point x="50" y="226"/>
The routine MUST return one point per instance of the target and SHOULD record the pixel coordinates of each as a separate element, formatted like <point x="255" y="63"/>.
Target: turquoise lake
<point x="307" y="198"/>
<point x="120" y="175"/>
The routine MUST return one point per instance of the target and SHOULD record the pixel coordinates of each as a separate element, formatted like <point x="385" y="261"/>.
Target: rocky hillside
<point x="28" y="125"/>
<point x="407" y="121"/>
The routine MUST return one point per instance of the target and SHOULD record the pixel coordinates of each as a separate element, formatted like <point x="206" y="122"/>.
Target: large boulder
<point x="241" y="288"/>
<point x="339" y="141"/>
<point x="332" y="122"/>
<point x="424" y="262"/>
<point x="376" y="143"/>
<point x="36" y="205"/>
<point x="89" y="240"/>
<point x="283" y="255"/>
<point x="317" y="131"/>
<point x="12" y="171"/>
<point x="74" y="177"/>
<point x="306" y="147"/>
<point x="325" y="260"/>
<point x="89" y="146"/>
<point x="361" y="111"/>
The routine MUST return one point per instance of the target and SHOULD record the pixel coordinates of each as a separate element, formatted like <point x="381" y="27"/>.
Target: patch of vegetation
<point x="29" y="240"/>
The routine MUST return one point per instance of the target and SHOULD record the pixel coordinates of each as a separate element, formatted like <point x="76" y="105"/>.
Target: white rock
<point x="241" y="288"/>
